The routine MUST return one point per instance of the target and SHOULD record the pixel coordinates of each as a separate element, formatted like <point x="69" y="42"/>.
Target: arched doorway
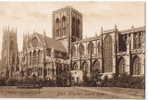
<point x="136" y="66"/>
<point x="121" y="66"/>
<point x="96" y="66"/>
<point x="96" y="69"/>
<point x="107" y="54"/>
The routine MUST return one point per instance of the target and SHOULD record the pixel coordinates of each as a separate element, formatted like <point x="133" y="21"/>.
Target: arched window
<point x="107" y="54"/>
<point x="90" y="48"/>
<point x="57" y="20"/>
<point x="63" y="19"/>
<point x="63" y="26"/>
<point x="57" y="27"/>
<point x="78" y="28"/>
<point x="34" y="42"/>
<point x="73" y="26"/>
<point x="136" y="66"/>
<point x="121" y="66"/>
<point x="74" y="66"/>
<point x="73" y="51"/>
<point x="81" y="49"/>
<point x="137" y="43"/>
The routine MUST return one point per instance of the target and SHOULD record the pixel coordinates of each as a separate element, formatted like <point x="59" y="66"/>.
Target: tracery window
<point x="63" y="21"/>
<point x="63" y="26"/>
<point x="57" y="27"/>
<point x="122" y="42"/>
<point x="137" y="40"/>
<point x="34" y="42"/>
<point x="81" y="49"/>
<point x="136" y="66"/>
<point x="107" y="54"/>
<point x="73" y="51"/>
<point x="90" y="48"/>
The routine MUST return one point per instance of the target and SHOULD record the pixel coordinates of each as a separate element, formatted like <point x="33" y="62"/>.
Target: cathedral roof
<point x="142" y="28"/>
<point x="51" y="43"/>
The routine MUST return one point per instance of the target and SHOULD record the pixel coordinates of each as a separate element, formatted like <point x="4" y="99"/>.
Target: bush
<point x="48" y="83"/>
<point x="125" y="81"/>
<point x="11" y="82"/>
<point x="2" y="82"/>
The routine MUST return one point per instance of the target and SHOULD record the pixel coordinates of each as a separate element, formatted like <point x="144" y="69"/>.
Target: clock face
<point x="34" y="42"/>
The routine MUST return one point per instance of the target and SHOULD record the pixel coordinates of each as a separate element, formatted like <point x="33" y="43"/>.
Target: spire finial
<point x="101" y="29"/>
<point x="132" y="26"/>
<point x="115" y="26"/>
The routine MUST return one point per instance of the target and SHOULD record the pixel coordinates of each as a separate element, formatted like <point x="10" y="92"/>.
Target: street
<point x="71" y="92"/>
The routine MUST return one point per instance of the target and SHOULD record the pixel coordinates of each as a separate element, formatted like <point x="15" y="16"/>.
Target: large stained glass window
<point x="137" y="40"/>
<point x="85" y="69"/>
<point x="136" y="66"/>
<point x="73" y="51"/>
<point x="81" y="49"/>
<point x="107" y="54"/>
<point x="90" y="48"/>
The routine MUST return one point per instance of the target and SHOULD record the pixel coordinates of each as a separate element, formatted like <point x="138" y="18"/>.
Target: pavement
<point x="72" y="92"/>
<point x="118" y="93"/>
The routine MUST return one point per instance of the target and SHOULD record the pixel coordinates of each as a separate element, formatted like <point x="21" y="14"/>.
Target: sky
<point x="37" y="16"/>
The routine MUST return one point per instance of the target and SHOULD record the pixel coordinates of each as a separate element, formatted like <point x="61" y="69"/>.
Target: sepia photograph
<point x="69" y="49"/>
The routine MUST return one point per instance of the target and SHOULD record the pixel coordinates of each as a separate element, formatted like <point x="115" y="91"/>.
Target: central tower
<point x="67" y="26"/>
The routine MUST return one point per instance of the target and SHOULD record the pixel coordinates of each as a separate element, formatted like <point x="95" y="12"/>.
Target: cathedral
<point x="67" y="53"/>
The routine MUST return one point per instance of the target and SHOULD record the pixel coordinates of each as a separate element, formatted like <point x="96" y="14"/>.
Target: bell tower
<point x="10" y="52"/>
<point x="67" y="26"/>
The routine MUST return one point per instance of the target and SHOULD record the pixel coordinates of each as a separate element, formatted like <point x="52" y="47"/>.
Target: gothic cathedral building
<point x="67" y="53"/>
